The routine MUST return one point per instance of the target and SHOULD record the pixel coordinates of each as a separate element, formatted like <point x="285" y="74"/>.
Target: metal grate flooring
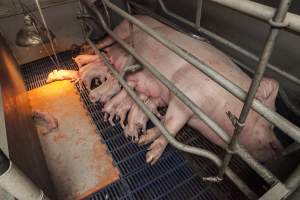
<point x="175" y="176"/>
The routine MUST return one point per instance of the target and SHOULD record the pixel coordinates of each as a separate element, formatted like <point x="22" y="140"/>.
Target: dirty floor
<point x="77" y="160"/>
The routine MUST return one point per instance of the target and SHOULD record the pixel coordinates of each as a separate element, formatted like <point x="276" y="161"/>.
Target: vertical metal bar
<point x="130" y="24"/>
<point x="268" y="48"/>
<point x="198" y="13"/>
<point x="107" y="14"/>
<point x="47" y="30"/>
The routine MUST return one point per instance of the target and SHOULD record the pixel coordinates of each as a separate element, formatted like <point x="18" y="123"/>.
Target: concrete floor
<point x="77" y="160"/>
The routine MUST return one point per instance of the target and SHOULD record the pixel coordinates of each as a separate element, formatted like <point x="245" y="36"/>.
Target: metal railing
<point x="225" y="42"/>
<point x="186" y="148"/>
<point x="273" y="117"/>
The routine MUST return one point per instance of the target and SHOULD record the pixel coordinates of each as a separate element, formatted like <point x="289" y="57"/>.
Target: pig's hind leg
<point x="176" y="117"/>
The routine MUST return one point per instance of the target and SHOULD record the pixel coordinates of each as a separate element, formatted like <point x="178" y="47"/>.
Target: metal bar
<point x="198" y="13"/>
<point x="267" y="52"/>
<point x="292" y="148"/>
<point x="282" y="93"/>
<point x="130" y="24"/>
<point x="183" y="147"/>
<point x="277" y="192"/>
<point x="48" y="32"/>
<point x="293" y="182"/>
<point x="107" y="14"/>
<point x="282" y="123"/>
<point x="260" y="11"/>
<point x="228" y="43"/>
<point x="262" y="171"/>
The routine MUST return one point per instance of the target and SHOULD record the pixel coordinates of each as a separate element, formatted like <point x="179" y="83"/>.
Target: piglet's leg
<point x="176" y="117"/>
<point x="149" y="136"/>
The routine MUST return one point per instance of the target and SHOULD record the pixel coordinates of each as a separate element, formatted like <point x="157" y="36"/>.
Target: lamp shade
<point x="31" y="34"/>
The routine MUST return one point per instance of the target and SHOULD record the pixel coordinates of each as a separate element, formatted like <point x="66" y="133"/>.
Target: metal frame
<point x="282" y="123"/>
<point x="186" y="148"/>
<point x="225" y="42"/>
<point x="229" y="44"/>
<point x="292" y="130"/>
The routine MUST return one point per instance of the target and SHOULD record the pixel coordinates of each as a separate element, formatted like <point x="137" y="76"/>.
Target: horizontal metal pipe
<point x="262" y="171"/>
<point x="228" y="44"/>
<point x="260" y="11"/>
<point x="183" y="147"/>
<point x="282" y="123"/>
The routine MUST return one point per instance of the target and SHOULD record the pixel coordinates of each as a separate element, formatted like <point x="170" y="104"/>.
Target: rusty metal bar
<point x="226" y="42"/>
<point x="186" y="148"/>
<point x="267" y="52"/>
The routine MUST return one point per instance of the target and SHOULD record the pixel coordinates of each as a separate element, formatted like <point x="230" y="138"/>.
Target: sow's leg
<point x="176" y="117"/>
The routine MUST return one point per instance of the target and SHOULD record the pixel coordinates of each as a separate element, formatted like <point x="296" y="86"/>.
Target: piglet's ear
<point x="267" y="92"/>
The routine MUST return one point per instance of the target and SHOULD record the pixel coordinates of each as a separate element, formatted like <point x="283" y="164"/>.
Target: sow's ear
<point x="267" y="92"/>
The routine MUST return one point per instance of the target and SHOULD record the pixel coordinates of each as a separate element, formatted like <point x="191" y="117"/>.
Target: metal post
<point x="198" y="13"/>
<point x="130" y="24"/>
<point x="16" y="183"/>
<point x="262" y="171"/>
<point x="268" y="48"/>
<point x="282" y="123"/>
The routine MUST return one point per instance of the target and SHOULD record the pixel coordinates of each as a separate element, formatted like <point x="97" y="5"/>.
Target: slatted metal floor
<point x="175" y="176"/>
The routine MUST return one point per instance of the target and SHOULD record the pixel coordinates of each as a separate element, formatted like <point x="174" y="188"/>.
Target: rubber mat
<point x="175" y="176"/>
